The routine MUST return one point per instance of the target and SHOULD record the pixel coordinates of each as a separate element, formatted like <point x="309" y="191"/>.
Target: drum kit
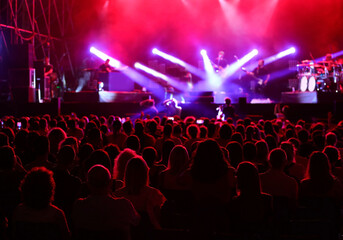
<point x="323" y="76"/>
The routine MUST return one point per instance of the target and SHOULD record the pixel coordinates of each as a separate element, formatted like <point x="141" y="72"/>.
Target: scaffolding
<point x="46" y="25"/>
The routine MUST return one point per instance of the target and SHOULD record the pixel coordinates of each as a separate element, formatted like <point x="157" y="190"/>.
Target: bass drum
<point x="303" y="83"/>
<point x="308" y="83"/>
<point x="311" y="84"/>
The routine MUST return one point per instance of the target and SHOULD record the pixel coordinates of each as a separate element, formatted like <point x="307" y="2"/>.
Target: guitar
<point x="260" y="82"/>
<point x="220" y="114"/>
<point x="217" y="68"/>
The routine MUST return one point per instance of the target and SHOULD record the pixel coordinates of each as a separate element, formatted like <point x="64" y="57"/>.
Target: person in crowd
<point x="235" y="153"/>
<point x="167" y="135"/>
<point x="146" y="140"/>
<point x="249" y="152"/>
<point x="178" y="133"/>
<point x="225" y="133"/>
<point x="251" y="210"/>
<point x="151" y="158"/>
<point x="41" y="150"/>
<point x="275" y="181"/>
<point x="74" y="130"/>
<point x="36" y="217"/>
<point x="133" y="143"/>
<point x="334" y="157"/>
<point x="193" y="133"/>
<point x="67" y="186"/>
<point x="56" y="135"/>
<point x="117" y="136"/>
<point x="213" y="185"/>
<point x="94" y="137"/>
<point x="262" y="152"/>
<point x="112" y="151"/>
<point x="10" y="178"/>
<point x="120" y="163"/>
<point x="128" y="127"/>
<point x="319" y="181"/>
<point x="101" y="215"/>
<point x="175" y="177"/>
<point x="146" y="200"/>
<point x="292" y="168"/>
<point x="330" y="139"/>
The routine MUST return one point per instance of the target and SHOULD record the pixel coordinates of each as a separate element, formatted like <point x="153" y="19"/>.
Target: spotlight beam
<point x="131" y="73"/>
<point x="173" y="59"/>
<point x="113" y="62"/>
<point x="168" y="80"/>
<point x="279" y="55"/>
<point x="150" y="71"/>
<point x="213" y="80"/>
<point x="207" y="62"/>
<point x="239" y="63"/>
<point x="334" y="55"/>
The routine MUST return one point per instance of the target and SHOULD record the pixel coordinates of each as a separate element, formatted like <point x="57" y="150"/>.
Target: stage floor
<point x="309" y="112"/>
<point x="302" y="105"/>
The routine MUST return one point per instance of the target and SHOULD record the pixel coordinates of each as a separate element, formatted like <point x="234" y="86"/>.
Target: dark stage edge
<point x="310" y="112"/>
<point x="127" y="104"/>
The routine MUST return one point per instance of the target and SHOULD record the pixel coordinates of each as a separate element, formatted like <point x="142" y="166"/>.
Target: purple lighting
<point x="280" y="55"/>
<point x="113" y="62"/>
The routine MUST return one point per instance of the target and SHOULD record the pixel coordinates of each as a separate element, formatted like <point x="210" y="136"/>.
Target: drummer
<point x="329" y="62"/>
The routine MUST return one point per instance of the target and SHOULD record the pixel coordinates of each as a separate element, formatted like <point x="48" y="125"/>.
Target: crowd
<point x="99" y="177"/>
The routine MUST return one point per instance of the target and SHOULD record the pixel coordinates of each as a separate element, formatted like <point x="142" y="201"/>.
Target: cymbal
<point x="89" y="69"/>
<point x="303" y="65"/>
<point x="306" y="61"/>
<point x="328" y="62"/>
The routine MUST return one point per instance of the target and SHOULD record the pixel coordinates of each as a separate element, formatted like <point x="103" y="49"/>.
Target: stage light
<point x="150" y="71"/>
<point x="247" y="57"/>
<point x="203" y="52"/>
<point x="254" y="52"/>
<point x="337" y="54"/>
<point x="285" y="53"/>
<point x="280" y="55"/>
<point x="239" y="63"/>
<point x="113" y="62"/>
<point x="207" y="62"/>
<point x="178" y="61"/>
<point x="168" y="57"/>
<point x="213" y="79"/>
<point x="168" y="80"/>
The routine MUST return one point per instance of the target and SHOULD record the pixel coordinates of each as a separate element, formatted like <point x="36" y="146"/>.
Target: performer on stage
<point x="106" y="67"/>
<point x="172" y="107"/>
<point x="188" y="79"/>
<point x="221" y="63"/>
<point x="261" y="78"/>
<point x="227" y="110"/>
<point x="329" y="62"/>
<point x="54" y="84"/>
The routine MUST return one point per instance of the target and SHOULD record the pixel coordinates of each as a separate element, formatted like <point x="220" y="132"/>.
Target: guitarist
<point x="221" y="63"/>
<point x="53" y="80"/>
<point x="261" y="78"/>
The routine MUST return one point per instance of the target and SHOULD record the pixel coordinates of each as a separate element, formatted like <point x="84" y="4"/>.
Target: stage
<point x="127" y="104"/>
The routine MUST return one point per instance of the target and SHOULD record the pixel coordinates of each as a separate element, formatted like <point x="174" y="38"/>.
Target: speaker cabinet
<point x="22" y="77"/>
<point x="24" y="94"/>
<point x="116" y="81"/>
